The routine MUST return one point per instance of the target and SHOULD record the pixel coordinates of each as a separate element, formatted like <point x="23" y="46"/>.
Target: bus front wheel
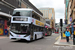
<point x="35" y="37"/>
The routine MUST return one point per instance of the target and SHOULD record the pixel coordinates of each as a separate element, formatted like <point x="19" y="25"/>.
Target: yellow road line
<point x="57" y="37"/>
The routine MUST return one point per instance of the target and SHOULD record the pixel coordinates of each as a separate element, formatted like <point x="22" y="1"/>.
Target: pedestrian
<point x="70" y="33"/>
<point x="8" y="28"/>
<point x="74" y="37"/>
<point x="67" y="33"/>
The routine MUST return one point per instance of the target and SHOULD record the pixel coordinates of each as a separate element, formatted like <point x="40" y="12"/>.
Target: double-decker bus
<point x="26" y="24"/>
<point x="47" y="30"/>
<point x="56" y="30"/>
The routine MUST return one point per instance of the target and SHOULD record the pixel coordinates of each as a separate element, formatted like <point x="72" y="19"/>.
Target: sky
<point x="58" y="6"/>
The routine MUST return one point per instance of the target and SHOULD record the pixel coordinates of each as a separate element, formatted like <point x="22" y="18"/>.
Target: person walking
<point x="70" y="33"/>
<point x="67" y="33"/>
<point x="73" y="37"/>
<point x="8" y="28"/>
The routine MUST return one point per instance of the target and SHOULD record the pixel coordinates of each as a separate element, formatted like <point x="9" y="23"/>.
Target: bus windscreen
<point x="22" y="13"/>
<point x="19" y="28"/>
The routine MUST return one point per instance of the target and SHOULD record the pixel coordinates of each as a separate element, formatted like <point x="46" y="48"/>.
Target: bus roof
<point x="29" y="10"/>
<point x="47" y="24"/>
<point x="23" y="9"/>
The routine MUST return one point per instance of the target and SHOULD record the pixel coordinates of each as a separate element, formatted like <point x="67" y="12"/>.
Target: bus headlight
<point x="26" y="35"/>
<point x="11" y="34"/>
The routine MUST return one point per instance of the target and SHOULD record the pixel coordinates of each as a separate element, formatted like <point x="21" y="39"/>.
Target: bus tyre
<point x="31" y="39"/>
<point x="35" y="37"/>
<point x="50" y="33"/>
<point x="43" y="36"/>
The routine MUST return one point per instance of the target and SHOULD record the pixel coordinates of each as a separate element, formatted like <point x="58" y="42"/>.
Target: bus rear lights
<point x="46" y="34"/>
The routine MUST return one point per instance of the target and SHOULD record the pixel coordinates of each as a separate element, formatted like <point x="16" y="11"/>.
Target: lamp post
<point x="73" y="31"/>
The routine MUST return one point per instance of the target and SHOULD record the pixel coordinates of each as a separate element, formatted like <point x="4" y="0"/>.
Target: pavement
<point x="1" y="37"/>
<point x="62" y="42"/>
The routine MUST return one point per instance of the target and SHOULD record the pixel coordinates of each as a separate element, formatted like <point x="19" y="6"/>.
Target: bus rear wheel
<point x="35" y="37"/>
<point x="31" y="38"/>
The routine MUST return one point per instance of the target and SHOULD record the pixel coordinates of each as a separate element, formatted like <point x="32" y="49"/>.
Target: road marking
<point x="48" y="39"/>
<point x="57" y="37"/>
<point x="58" y="48"/>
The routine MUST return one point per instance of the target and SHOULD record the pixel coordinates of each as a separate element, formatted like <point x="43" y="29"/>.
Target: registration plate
<point x="18" y="36"/>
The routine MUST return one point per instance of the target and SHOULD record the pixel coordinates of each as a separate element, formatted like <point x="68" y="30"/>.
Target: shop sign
<point x="39" y="23"/>
<point x="70" y="19"/>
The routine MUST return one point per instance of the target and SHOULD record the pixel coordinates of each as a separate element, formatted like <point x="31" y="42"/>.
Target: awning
<point x="69" y="25"/>
<point x="4" y="14"/>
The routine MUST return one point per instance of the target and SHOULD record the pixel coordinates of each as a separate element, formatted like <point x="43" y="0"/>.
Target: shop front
<point x="3" y="24"/>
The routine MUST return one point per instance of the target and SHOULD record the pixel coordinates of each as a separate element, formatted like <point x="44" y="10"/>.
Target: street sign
<point x="70" y="19"/>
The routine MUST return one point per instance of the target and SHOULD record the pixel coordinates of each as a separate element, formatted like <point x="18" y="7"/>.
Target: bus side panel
<point x="38" y="34"/>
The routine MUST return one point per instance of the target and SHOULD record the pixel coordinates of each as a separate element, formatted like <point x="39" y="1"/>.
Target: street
<point x="46" y="43"/>
<point x="32" y="19"/>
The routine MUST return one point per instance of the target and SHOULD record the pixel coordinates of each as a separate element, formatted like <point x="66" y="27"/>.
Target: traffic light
<point x="61" y="22"/>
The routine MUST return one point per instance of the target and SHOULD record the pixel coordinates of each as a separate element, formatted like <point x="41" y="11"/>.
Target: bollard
<point x="74" y="38"/>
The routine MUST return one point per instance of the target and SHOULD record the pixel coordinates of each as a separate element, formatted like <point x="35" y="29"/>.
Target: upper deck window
<point x="22" y="13"/>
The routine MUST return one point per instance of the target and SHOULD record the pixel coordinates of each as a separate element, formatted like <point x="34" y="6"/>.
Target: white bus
<point x="25" y="26"/>
<point x="48" y="30"/>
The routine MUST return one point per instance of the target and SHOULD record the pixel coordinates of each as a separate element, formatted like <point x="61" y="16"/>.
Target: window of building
<point x="50" y="10"/>
<point x="47" y="13"/>
<point x="52" y="16"/>
<point x="19" y="3"/>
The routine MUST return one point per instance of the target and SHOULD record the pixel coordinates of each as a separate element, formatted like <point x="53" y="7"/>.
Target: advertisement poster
<point x="1" y="26"/>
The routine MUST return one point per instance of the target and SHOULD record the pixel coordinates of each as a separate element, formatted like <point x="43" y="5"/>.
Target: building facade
<point x="48" y="13"/>
<point x="6" y="10"/>
<point x="70" y="11"/>
<point x="66" y="11"/>
<point x="72" y="7"/>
